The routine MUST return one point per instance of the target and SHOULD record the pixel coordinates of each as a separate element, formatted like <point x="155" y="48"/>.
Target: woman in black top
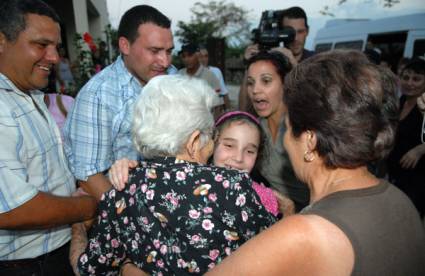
<point x="406" y="163"/>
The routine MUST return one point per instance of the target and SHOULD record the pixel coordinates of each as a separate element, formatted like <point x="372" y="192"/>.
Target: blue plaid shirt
<point x="31" y="160"/>
<point x="98" y="129"/>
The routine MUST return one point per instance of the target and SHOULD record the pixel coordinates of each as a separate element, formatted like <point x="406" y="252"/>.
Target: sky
<point x="179" y="10"/>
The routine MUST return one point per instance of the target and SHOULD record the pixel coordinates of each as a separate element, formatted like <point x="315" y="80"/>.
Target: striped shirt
<point x="31" y="160"/>
<point x="98" y="128"/>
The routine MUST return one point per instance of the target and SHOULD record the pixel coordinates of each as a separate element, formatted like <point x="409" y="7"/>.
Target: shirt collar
<point x="199" y="71"/>
<point x="125" y="78"/>
<point x="8" y="85"/>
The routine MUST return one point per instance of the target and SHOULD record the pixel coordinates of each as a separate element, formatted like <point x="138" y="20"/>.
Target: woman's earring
<point x="308" y="156"/>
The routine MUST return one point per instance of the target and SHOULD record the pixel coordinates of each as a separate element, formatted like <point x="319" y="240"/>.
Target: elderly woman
<point x="356" y="224"/>
<point x="176" y="215"/>
<point x="406" y="163"/>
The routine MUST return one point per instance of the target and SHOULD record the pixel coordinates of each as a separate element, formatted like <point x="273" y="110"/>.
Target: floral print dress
<point x="174" y="218"/>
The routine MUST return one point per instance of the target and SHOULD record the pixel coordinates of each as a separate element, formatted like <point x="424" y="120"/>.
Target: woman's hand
<point x="250" y="51"/>
<point x="412" y="157"/>
<point x="287" y="53"/>
<point x="286" y="205"/>
<point x="118" y="173"/>
<point x="78" y="245"/>
<point x="421" y="103"/>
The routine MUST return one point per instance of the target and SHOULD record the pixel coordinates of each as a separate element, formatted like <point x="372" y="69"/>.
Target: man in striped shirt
<point x="35" y="183"/>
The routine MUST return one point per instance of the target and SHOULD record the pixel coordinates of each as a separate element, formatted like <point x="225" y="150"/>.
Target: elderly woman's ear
<point x="195" y="150"/>
<point x="193" y="145"/>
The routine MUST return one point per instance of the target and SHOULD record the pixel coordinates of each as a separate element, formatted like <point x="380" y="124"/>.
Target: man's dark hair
<point x="13" y="12"/>
<point x="295" y="13"/>
<point x="137" y="15"/>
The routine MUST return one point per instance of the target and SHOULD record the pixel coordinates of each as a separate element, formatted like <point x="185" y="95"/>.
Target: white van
<point x="396" y="37"/>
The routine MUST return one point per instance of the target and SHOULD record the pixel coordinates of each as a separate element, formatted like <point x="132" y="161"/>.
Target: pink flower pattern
<point x="170" y="227"/>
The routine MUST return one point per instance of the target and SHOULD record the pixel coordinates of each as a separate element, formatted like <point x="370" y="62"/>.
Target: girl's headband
<point x="232" y="114"/>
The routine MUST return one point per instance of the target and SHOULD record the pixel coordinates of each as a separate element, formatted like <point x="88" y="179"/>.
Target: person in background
<point x="59" y="106"/>
<point x="406" y="163"/>
<point x="176" y="215"/>
<point x="189" y="54"/>
<point x="224" y="92"/>
<point x="265" y="85"/>
<point x="36" y="184"/>
<point x="355" y="224"/>
<point x="64" y="77"/>
<point x="98" y="128"/>
<point x="296" y="18"/>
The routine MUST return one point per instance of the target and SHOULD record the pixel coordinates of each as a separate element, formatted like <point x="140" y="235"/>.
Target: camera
<point x="269" y="33"/>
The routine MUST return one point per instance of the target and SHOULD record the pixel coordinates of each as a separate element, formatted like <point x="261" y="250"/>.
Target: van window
<point x="419" y="47"/>
<point x="391" y="45"/>
<point x="357" y="45"/>
<point x="323" y="47"/>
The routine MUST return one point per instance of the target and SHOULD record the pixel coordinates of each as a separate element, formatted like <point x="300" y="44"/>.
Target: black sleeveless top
<point x="383" y="227"/>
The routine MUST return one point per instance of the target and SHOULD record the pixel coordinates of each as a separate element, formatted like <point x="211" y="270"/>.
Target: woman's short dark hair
<point x="138" y="15"/>
<point x="348" y="102"/>
<point x="416" y="65"/>
<point x="13" y="12"/>
<point x="279" y="61"/>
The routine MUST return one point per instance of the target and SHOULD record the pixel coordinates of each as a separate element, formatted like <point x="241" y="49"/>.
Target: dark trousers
<point x="55" y="263"/>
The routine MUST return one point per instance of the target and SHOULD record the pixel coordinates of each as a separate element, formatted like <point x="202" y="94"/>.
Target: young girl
<point x="240" y="145"/>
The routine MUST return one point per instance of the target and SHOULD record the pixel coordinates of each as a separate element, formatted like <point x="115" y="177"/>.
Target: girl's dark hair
<point x="348" y="102"/>
<point x="280" y="62"/>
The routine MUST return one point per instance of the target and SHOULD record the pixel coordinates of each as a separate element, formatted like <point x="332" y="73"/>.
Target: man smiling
<point x="35" y="182"/>
<point x="98" y="129"/>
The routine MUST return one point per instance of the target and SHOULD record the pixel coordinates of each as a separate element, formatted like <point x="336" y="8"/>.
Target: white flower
<point x="207" y="224"/>
<point x="194" y="214"/>
<point x="181" y="175"/>
<point x="150" y="194"/>
<point x="240" y="200"/>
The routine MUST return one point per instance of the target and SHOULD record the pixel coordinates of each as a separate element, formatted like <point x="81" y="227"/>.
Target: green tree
<point x="215" y="19"/>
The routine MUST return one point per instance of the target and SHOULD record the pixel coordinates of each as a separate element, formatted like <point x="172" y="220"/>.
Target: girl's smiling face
<point x="237" y="146"/>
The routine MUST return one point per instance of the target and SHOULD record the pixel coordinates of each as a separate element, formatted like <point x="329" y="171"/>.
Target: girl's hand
<point x="118" y="173"/>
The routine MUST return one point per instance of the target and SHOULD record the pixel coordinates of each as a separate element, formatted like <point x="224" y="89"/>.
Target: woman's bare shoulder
<point x="300" y="244"/>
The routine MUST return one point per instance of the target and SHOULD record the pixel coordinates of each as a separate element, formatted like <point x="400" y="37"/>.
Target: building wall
<point x="80" y="16"/>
